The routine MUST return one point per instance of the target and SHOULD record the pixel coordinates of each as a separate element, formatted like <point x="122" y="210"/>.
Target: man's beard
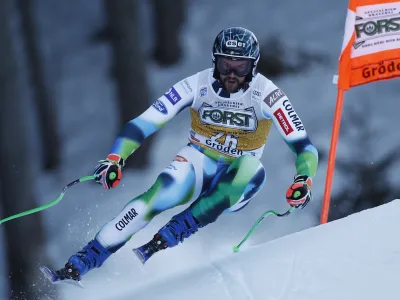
<point x="232" y="87"/>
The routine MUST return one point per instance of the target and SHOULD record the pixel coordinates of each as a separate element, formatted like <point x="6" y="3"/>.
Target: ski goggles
<point x="241" y="67"/>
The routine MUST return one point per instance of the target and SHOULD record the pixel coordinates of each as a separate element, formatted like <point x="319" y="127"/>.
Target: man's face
<point x="233" y="73"/>
<point x="231" y="82"/>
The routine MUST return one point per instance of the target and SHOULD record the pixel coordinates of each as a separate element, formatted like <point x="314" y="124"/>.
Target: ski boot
<point x="91" y="256"/>
<point x="181" y="226"/>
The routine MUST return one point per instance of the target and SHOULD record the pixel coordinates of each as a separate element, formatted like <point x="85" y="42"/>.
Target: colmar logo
<point x="283" y="121"/>
<point x="126" y="219"/>
<point x="293" y="116"/>
<point x="186" y="86"/>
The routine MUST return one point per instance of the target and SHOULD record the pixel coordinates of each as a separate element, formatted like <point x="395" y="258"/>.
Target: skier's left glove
<point x="108" y="171"/>
<point x="299" y="193"/>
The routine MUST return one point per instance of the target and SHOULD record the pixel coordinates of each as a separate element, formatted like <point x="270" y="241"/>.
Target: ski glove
<point x="108" y="171"/>
<point x="299" y="193"/>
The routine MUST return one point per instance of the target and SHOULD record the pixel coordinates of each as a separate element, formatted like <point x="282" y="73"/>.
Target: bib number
<point x="230" y="140"/>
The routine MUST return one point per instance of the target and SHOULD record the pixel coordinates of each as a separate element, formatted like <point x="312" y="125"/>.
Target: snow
<point x="352" y="258"/>
<point x="81" y="73"/>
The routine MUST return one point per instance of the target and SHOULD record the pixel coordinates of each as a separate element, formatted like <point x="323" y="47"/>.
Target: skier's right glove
<point x="108" y="171"/>
<point x="299" y="193"/>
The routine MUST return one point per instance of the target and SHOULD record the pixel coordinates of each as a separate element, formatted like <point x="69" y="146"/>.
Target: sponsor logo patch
<point x="160" y="106"/>
<point x="274" y="97"/>
<point x="180" y="158"/>
<point x="384" y="68"/>
<point x="203" y="91"/>
<point x="245" y="119"/>
<point x="193" y="136"/>
<point x="186" y="86"/>
<point x="293" y="116"/>
<point x="222" y="148"/>
<point x="229" y="104"/>
<point x="126" y="219"/>
<point x="234" y="44"/>
<point x="173" y="96"/>
<point x="256" y="93"/>
<point x="283" y="121"/>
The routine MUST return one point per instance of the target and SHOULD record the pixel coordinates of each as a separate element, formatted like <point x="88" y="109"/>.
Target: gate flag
<point x="371" y="44"/>
<point x="370" y="52"/>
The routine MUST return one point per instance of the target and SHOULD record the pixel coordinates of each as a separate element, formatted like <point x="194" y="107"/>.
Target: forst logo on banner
<point x="377" y="28"/>
<point x="375" y="51"/>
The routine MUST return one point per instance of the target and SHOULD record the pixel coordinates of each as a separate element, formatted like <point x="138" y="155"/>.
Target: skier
<point x="232" y="108"/>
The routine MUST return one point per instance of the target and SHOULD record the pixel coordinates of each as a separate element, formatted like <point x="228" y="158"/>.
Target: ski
<point x="58" y="277"/>
<point x="147" y="250"/>
<point x="144" y="252"/>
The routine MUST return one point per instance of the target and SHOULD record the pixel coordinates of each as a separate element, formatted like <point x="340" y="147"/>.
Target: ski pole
<point x="264" y="215"/>
<point x="45" y="206"/>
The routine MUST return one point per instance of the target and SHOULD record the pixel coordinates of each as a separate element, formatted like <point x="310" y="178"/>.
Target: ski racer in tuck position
<point x="232" y="108"/>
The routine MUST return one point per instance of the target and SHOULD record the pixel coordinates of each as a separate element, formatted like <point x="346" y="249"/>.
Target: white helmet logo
<point x="231" y="43"/>
<point x="234" y="44"/>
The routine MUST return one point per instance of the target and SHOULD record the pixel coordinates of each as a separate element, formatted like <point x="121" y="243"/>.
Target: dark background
<point x="74" y="72"/>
